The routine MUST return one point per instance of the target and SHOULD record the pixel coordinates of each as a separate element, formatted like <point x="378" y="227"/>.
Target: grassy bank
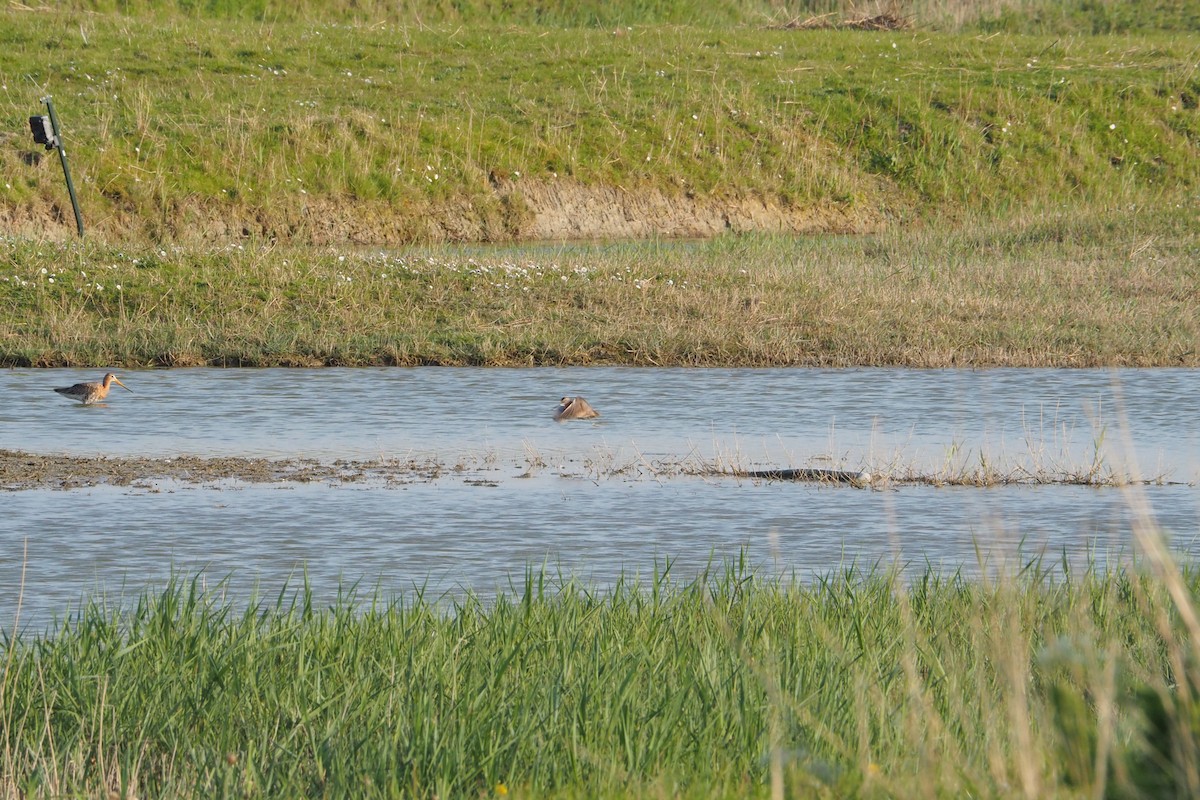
<point x="1053" y="291"/>
<point x="269" y="185"/>
<point x="973" y="16"/>
<point x="184" y="128"/>
<point x="734" y="685"/>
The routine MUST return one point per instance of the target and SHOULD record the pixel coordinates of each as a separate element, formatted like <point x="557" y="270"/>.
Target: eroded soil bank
<point x="514" y="211"/>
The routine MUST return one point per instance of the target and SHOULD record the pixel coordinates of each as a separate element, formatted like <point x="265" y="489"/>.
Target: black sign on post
<point x="45" y="132"/>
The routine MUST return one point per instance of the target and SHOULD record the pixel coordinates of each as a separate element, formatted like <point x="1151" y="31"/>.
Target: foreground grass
<point x="1053" y="290"/>
<point x="733" y="685"/>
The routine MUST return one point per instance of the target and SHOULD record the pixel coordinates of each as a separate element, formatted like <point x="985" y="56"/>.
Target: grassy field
<point x="734" y="685"/>
<point x="183" y="128"/>
<point x="1055" y="291"/>
<point x="973" y="16"/>
<point x="267" y="184"/>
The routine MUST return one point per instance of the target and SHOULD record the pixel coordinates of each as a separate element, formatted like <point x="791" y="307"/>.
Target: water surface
<point x="588" y="498"/>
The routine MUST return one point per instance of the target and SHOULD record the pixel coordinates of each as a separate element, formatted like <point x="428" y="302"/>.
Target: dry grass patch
<point x="1048" y="292"/>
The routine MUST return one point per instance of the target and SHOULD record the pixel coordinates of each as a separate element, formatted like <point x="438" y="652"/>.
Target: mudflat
<point x="20" y="470"/>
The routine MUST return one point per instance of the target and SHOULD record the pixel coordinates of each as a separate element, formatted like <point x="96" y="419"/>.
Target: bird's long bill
<point x="117" y="381"/>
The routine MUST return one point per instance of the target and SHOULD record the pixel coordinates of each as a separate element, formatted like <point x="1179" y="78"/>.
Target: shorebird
<point x="93" y="391"/>
<point x="574" y="408"/>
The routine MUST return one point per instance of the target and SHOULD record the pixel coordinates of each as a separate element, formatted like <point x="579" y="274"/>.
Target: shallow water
<point x="770" y="416"/>
<point x="591" y="499"/>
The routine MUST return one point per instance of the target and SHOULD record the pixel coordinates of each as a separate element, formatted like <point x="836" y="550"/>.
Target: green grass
<point x="731" y="685"/>
<point x="1046" y="291"/>
<point x="1026" y="16"/>
<point x="1022" y="198"/>
<point x="1029" y="174"/>
<point x="182" y="127"/>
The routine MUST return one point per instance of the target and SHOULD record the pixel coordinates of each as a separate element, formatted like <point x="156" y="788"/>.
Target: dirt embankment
<point x="563" y="210"/>
<point x="513" y="211"/>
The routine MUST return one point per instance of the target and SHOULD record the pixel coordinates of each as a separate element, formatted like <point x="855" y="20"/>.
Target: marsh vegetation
<point x="1006" y="183"/>
<point x="1054" y="291"/>
<point x="270" y="184"/>
<point x="735" y="684"/>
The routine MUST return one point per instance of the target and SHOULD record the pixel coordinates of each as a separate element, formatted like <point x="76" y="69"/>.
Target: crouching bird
<point x="574" y="408"/>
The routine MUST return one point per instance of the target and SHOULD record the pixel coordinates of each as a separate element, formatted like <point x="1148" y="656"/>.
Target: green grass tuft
<point x="724" y="686"/>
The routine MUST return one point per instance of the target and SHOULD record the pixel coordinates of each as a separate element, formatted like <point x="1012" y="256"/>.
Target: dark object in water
<point x="810" y="474"/>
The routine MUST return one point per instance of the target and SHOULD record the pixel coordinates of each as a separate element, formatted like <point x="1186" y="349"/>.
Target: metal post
<point x="62" y="156"/>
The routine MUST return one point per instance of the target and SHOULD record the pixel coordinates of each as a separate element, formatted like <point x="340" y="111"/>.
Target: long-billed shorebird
<point x="574" y="408"/>
<point x="93" y="391"/>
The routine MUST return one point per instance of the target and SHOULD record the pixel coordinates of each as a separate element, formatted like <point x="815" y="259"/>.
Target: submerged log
<point x="858" y="478"/>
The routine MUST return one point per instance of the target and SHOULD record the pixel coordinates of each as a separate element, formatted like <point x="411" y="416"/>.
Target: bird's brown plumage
<point x="574" y="408"/>
<point x="92" y="391"/>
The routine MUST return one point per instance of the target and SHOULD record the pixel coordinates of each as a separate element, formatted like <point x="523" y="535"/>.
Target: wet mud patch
<point x="20" y="471"/>
<point x="23" y="471"/>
